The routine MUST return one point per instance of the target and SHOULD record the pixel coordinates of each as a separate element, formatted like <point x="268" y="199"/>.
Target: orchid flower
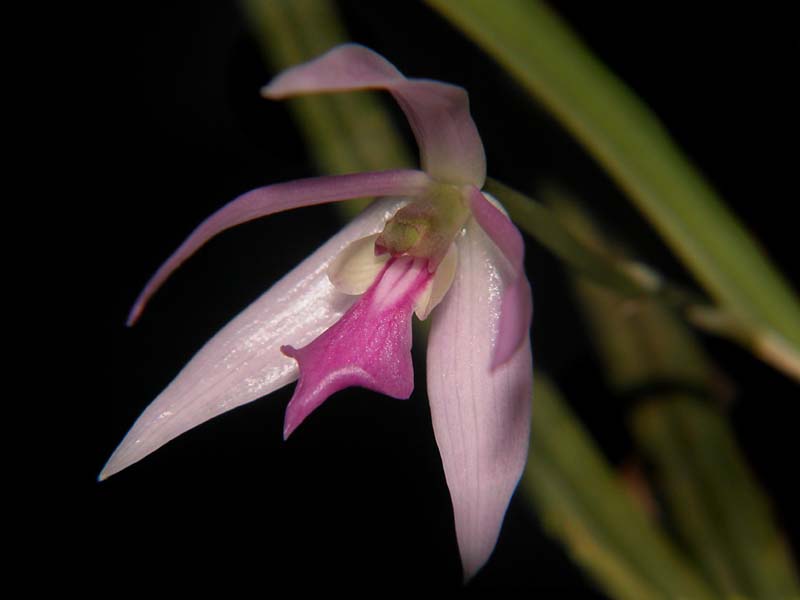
<point x="434" y="245"/>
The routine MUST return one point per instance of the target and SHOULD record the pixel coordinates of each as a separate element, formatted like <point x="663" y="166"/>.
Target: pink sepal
<point x="517" y="308"/>
<point x="450" y="146"/>
<point x="480" y="414"/>
<point x="279" y="197"/>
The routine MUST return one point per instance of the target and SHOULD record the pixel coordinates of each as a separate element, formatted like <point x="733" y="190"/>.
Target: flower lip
<point x="370" y="346"/>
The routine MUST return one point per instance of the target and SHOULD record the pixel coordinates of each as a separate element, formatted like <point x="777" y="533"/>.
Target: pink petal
<point x="243" y="361"/>
<point x="450" y="146"/>
<point x="279" y="197"/>
<point x="481" y="415"/>
<point x="515" y="321"/>
<point x="370" y="346"/>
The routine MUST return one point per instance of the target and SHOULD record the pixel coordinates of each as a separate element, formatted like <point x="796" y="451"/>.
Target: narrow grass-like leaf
<point x="633" y="279"/>
<point x="541" y="52"/>
<point x="582" y="502"/>
<point x="719" y="510"/>
<point x="539" y="221"/>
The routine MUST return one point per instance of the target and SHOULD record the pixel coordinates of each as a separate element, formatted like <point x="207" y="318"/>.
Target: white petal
<point x="481" y="417"/>
<point x="439" y="285"/>
<point x="356" y="267"/>
<point x="243" y="361"/>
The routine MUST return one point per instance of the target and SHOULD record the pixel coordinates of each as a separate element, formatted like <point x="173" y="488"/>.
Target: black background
<point x="166" y="102"/>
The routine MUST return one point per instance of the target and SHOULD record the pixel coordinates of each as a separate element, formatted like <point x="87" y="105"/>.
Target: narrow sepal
<point x="517" y="309"/>
<point x="480" y="414"/>
<point x="279" y="197"/>
<point x="450" y="146"/>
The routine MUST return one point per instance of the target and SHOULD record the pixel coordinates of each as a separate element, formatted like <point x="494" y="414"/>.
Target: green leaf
<point x="623" y="135"/>
<point x="719" y="509"/>
<point x="581" y="502"/>
<point x="569" y="240"/>
<point x="720" y="512"/>
<point x="542" y="224"/>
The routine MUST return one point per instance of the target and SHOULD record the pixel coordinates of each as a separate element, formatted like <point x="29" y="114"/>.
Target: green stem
<point x="635" y="280"/>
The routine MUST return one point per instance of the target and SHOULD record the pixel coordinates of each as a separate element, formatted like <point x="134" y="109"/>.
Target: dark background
<point x="356" y="499"/>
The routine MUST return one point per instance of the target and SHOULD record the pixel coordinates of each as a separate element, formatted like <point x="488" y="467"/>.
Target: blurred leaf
<point x="582" y="502"/>
<point x="526" y="38"/>
<point x="638" y="340"/>
<point x="542" y="224"/>
<point x="719" y="510"/>
<point x="579" y="249"/>
<point x="345" y="133"/>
